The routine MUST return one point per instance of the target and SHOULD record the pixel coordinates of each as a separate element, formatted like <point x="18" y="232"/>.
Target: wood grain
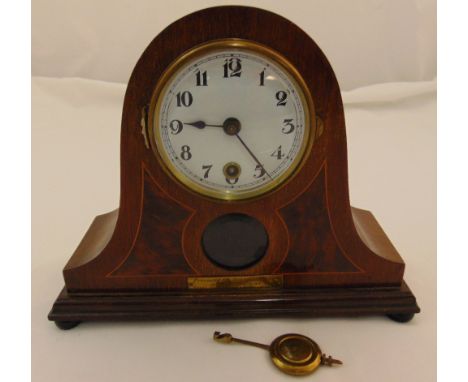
<point x="317" y="302"/>
<point x="315" y="239"/>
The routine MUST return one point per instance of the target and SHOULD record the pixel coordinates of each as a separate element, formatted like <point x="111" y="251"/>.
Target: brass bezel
<point x="240" y="44"/>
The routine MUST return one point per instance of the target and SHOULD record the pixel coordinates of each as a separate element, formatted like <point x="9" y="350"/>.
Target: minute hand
<point x="253" y="155"/>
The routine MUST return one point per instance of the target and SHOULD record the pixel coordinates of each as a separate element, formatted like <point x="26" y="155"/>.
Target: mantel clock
<point x="234" y="190"/>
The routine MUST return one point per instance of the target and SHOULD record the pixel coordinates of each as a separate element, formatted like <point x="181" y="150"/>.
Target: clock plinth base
<point x="201" y="304"/>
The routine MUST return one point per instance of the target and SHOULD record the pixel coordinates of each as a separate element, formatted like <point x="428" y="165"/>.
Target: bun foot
<point x="66" y="325"/>
<point x="401" y="317"/>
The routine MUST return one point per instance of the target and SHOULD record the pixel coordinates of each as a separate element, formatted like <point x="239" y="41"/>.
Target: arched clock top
<point x="233" y="176"/>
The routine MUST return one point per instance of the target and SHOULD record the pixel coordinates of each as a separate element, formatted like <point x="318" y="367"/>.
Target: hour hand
<point x="200" y="124"/>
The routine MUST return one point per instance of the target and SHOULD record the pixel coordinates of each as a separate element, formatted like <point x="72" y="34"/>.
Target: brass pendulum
<point x="293" y="354"/>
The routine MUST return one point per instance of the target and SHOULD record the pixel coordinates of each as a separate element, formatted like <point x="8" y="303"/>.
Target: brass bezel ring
<point x="239" y="44"/>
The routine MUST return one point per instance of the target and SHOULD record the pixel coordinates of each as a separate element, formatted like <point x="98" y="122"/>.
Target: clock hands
<point x="231" y="126"/>
<point x="253" y="155"/>
<point x="201" y="124"/>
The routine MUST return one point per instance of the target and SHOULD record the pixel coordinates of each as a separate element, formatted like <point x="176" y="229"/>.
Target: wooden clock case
<point x="145" y="259"/>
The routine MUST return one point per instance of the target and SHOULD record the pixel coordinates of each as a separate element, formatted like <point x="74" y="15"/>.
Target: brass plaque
<point x="227" y="282"/>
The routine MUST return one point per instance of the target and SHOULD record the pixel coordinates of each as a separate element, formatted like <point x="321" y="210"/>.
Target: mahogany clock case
<point x="146" y="260"/>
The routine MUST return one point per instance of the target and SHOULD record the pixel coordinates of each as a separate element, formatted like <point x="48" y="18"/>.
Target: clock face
<point x="232" y="120"/>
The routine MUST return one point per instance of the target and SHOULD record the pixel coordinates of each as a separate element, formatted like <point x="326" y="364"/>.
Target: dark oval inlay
<point x="235" y="241"/>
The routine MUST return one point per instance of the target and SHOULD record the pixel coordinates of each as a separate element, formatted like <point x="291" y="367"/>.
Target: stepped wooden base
<point x="69" y="309"/>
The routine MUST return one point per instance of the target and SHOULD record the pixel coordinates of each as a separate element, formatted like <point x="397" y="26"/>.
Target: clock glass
<point x="232" y="119"/>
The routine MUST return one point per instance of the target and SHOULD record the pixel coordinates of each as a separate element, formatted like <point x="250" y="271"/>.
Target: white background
<point x="391" y="140"/>
<point x="367" y="41"/>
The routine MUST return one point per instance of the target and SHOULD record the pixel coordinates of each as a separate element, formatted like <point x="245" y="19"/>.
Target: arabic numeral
<point x="176" y="126"/>
<point x="288" y="127"/>
<point x="202" y="78"/>
<point x="278" y="154"/>
<point x="186" y="154"/>
<point x="281" y="96"/>
<point x="262" y="78"/>
<point x="207" y="169"/>
<point x="261" y="171"/>
<point x="232" y="180"/>
<point x="232" y="67"/>
<point x="184" y="98"/>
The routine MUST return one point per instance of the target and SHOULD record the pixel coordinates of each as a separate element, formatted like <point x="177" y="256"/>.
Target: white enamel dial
<point x="231" y="123"/>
